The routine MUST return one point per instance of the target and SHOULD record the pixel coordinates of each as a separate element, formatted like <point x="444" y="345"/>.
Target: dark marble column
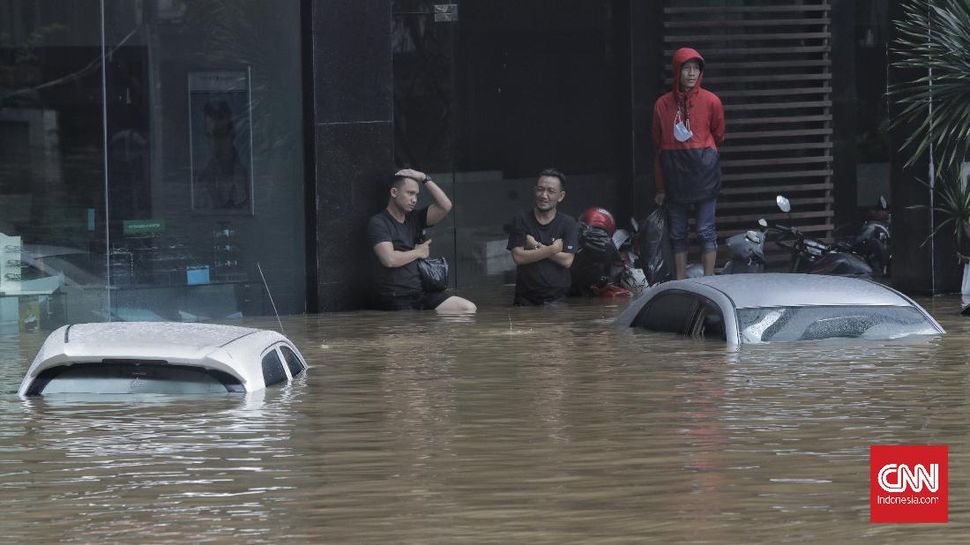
<point x="350" y="105"/>
<point x="646" y="65"/>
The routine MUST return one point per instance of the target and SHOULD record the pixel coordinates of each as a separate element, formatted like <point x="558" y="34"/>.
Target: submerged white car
<point x="160" y="358"/>
<point x="769" y="307"/>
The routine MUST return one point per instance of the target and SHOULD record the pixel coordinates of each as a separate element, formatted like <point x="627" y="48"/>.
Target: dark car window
<point x="673" y="312"/>
<point x="273" y="372"/>
<point x="709" y="323"/>
<point x="292" y="361"/>
<point x="132" y="378"/>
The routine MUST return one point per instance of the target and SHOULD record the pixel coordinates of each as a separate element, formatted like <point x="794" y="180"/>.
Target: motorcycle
<point x="747" y="255"/>
<point x="604" y="265"/>
<point x="813" y="256"/>
<point x="873" y="240"/>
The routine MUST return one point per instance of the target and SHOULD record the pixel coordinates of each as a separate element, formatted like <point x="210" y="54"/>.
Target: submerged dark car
<point x="771" y="307"/>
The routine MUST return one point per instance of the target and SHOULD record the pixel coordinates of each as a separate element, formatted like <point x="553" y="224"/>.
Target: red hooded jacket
<point x="688" y="171"/>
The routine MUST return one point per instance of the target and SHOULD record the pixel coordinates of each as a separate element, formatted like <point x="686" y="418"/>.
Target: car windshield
<point x="766" y="324"/>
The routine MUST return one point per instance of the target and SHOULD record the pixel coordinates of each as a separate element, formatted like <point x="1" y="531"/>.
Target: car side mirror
<point x="762" y="222"/>
<point x="882" y="202"/>
<point x="783" y="203"/>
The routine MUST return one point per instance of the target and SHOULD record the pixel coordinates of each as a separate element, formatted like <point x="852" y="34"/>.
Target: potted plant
<point x="933" y="42"/>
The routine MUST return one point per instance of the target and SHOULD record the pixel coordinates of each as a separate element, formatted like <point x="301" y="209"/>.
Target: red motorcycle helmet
<point x="599" y="217"/>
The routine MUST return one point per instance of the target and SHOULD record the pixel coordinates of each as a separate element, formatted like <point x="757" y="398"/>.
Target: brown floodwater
<point x="513" y="426"/>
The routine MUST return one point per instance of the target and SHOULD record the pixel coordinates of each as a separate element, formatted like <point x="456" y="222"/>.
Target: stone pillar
<point x="350" y="119"/>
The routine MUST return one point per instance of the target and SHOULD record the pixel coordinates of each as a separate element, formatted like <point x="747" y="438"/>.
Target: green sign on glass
<point x="143" y="227"/>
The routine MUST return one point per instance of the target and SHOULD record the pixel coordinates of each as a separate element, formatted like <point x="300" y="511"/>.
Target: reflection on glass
<point x="823" y="322"/>
<point x="98" y="217"/>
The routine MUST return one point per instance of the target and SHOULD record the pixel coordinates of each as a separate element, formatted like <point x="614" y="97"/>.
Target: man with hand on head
<point x="543" y="243"/>
<point x="393" y="235"/>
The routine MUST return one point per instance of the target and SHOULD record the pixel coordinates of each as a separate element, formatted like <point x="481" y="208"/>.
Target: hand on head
<point x="415" y="175"/>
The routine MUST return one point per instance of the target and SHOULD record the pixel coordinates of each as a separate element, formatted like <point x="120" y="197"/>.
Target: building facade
<point x="203" y="159"/>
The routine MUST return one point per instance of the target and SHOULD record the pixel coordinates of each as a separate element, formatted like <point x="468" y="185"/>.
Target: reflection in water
<point x="513" y="425"/>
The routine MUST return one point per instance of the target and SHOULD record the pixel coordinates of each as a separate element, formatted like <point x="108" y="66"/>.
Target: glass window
<point x="144" y="174"/>
<point x="205" y="156"/>
<point x="672" y="312"/>
<point x="709" y="323"/>
<point x="292" y="361"/>
<point x="487" y="99"/>
<point x="822" y="322"/>
<point x="52" y="177"/>
<point x="273" y="369"/>
<point x="133" y="379"/>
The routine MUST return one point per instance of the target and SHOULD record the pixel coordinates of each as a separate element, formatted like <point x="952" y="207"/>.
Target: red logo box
<point x="908" y="483"/>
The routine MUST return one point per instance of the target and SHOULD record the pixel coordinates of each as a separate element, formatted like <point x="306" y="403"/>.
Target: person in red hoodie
<point x="688" y="127"/>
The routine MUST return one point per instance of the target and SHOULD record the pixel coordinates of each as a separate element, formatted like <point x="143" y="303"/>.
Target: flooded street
<point x="513" y="426"/>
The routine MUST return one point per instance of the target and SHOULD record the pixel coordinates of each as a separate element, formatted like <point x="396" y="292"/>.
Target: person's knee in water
<point x="395" y="237"/>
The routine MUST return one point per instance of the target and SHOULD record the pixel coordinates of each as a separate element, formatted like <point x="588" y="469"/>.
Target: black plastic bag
<point x="434" y="274"/>
<point x="656" y="257"/>
<point x="594" y="260"/>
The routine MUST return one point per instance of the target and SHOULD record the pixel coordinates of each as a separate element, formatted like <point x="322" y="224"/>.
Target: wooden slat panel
<point x="780" y="92"/>
<point x="767" y="36"/>
<point x="770" y="204"/>
<point x="778" y="105"/>
<point x="776" y="189"/>
<point x="778" y="50"/>
<point x="761" y="78"/>
<point x="779" y="134"/>
<point x="775" y="175"/>
<point x="792" y="119"/>
<point x="723" y="23"/>
<point x="775" y="161"/>
<point x="776" y="89"/>
<point x="729" y="148"/>
<point x="673" y="10"/>
<point x="781" y="216"/>
<point x="816" y="228"/>
<point x="753" y="65"/>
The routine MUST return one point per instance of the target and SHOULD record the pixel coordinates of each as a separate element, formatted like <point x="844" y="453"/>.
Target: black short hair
<point x="555" y="173"/>
<point x="397" y="181"/>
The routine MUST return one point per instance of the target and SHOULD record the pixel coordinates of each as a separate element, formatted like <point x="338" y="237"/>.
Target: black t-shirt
<point x="543" y="280"/>
<point x="382" y="227"/>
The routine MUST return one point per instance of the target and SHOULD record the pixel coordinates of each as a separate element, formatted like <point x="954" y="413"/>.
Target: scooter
<point x="873" y="241"/>
<point x="813" y="256"/>
<point x="747" y="253"/>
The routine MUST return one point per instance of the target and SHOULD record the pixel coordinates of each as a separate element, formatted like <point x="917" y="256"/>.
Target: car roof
<point x="793" y="289"/>
<point x="160" y="336"/>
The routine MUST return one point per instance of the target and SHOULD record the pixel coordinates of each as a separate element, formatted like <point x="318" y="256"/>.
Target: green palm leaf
<point x="934" y="39"/>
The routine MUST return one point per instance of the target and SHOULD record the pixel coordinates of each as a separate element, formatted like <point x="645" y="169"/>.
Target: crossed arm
<point x="534" y="251"/>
